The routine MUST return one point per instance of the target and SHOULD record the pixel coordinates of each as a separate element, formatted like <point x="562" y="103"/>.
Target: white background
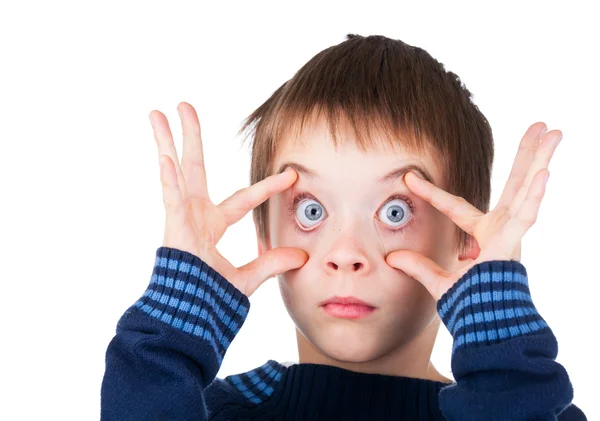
<point x="81" y="206"/>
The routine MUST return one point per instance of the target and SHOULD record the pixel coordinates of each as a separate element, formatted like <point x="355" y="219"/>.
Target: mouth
<point x="347" y="307"/>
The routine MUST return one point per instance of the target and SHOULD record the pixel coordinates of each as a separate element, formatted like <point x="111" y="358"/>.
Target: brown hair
<point x="379" y="83"/>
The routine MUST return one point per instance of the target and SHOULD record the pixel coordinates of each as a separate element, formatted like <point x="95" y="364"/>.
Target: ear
<point x="472" y="251"/>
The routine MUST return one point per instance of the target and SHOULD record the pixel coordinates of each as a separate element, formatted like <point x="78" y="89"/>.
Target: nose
<point x="346" y="250"/>
<point x="347" y="259"/>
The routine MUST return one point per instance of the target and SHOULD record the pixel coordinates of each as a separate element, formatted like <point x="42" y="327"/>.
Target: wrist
<point x="191" y="296"/>
<point x="490" y="303"/>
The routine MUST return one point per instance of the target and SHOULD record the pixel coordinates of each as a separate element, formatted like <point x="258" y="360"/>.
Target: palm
<point x="205" y="226"/>
<point x="491" y="242"/>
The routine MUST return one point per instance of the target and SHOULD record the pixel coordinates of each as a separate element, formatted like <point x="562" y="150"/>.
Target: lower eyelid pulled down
<point x="294" y="206"/>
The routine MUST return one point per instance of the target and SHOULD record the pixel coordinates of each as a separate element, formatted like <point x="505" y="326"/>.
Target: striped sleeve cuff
<point x="189" y="295"/>
<point x="490" y="304"/>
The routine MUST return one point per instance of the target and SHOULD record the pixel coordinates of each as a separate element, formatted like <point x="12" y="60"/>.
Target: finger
<point x="517" y="226"/>
<point x="172" y="197"/>
<point x="192" y="161"/>
<point x="164" y="140"/>
<point x="421" y="268"/>
<point x="541" y="161"/>
<point x="246" y="199"/>
<point x="271" y="263"/>
<point x="461" y="212"/>
<point x="525" y="155"/>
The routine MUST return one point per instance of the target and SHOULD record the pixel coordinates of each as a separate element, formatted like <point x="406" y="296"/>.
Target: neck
<point x="412" y="359"/>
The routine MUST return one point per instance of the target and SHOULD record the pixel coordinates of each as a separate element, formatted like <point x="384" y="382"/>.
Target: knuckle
<point x="172" y="204"/>
<point x="192" y="161"/>
<point x="451" y="211"/>
<point x="503" y="209"/>
<point x="245" y="197"/>
<point x="169" y="205"/>
<point x="194" y="130"/>
<point x="165" y="184"/>
<point x="529" y="219"/>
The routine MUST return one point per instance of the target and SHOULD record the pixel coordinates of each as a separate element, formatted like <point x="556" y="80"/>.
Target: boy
<point x="373" y="214"/>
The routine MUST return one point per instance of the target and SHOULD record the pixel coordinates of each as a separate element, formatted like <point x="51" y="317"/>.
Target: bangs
<point x="362" y="124"/>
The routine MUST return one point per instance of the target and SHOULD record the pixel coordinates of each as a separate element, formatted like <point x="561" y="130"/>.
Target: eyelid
<point x="402" y="197"/>
<point x="301" y="196"/>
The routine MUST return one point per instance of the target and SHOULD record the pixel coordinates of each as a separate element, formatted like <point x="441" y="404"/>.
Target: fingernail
<point x="543" y="131"/>
<point x="547" y="177"/>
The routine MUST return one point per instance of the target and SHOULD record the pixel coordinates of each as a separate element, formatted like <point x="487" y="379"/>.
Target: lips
<point x="346" y="301"/>
<point x="347" y="307"/>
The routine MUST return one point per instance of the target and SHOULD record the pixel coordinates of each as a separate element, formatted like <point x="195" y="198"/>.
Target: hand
<point x="499" y="232"/>
<point x="194" y="224"/>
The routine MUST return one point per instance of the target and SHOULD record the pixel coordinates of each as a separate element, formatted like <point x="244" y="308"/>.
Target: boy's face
<point x="346" y="225"/>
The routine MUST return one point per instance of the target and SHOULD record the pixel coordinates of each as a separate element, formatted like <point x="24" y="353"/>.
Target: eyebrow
<point x="391" y="176"/>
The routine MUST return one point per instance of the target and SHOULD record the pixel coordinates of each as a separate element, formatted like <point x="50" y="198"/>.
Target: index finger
<point x="461" y="212"/>
<point x="243" y="201"/>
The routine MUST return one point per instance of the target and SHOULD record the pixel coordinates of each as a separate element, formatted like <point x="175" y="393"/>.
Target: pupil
<point x="313" y="211"/>
<point x="395" y="214"/>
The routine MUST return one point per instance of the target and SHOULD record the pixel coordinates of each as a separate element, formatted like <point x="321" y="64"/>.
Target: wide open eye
<point x="309" y="212"/>
<point x="395" y="213"/>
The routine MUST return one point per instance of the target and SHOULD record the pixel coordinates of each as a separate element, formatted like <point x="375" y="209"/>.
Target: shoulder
<point x="247" y="389"/>
<point x="258" y="384"/>
<point x="572" y="413"/>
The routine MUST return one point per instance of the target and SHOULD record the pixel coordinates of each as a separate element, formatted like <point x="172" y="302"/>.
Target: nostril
<point x="356" y="266"/>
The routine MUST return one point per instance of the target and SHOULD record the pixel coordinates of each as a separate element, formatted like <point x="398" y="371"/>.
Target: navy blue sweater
<point x="169" y="345"/>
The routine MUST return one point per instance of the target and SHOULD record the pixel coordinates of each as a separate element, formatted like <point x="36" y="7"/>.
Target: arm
<point x="170" y="344"/>
<point x="503" y="355"/>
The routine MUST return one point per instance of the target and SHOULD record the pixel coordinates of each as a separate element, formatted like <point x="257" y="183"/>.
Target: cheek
<point x="286" y="292"/>
<point x="286" y="236"/>
<point x="300" y="297"/>
<point x="441" y="250"/>
<point x="404" y="292"/>
<point x="419" y="235"/>
<point x="298" y="286"/>
<point x="408" y="305"/>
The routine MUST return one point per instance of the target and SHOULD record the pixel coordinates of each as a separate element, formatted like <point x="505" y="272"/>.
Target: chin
<point x="350" y="346"/>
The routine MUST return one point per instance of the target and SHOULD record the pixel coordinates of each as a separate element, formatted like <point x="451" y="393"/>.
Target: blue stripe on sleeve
<point x="189" y="295"/>
<point x="490" y="303"/>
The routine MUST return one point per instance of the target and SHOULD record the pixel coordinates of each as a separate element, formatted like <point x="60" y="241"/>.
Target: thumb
<point x="421" y="268"/>
<point x="271" y="263"/>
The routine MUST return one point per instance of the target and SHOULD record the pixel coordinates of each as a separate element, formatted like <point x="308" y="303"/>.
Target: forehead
<point x="314" y="151"/>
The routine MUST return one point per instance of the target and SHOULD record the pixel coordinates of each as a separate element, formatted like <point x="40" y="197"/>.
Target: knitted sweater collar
<point x="316" y="391"/>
